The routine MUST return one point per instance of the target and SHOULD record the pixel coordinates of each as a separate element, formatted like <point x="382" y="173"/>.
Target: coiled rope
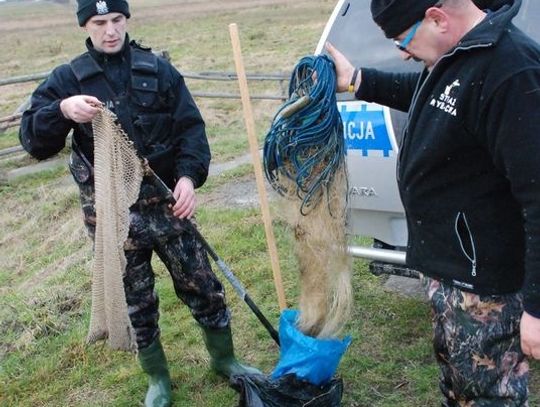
<point x="305" y="144"/>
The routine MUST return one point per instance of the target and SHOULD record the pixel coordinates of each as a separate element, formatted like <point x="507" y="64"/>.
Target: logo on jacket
<point x="109" y="104"/>
<point x="101" y="7"/>
<point x="447" y="101"/>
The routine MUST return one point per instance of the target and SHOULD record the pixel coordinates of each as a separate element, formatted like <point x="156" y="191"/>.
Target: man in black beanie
<point x="468" y="172"/>
<point x="395" y="16"/>
<point x="89" y="8"/>
<point x="154" y="107"/>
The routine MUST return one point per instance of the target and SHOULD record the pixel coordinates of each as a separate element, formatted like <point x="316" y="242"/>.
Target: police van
<point x="373" y="132"/>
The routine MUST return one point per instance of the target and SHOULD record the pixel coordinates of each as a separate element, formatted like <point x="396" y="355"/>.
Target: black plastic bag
<point x="286" y="391"/>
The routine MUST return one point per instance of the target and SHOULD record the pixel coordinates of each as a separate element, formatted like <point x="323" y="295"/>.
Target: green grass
<point x="44" y="311"/>
<point x="9" y="138"/>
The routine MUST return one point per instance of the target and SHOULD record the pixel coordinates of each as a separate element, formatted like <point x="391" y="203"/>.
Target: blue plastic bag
<point x="311" y="359"/>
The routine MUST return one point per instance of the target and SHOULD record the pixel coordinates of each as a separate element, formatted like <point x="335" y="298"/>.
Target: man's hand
<point x="80" y="108"/>
<point x="530" y="335"/>
<point x="344" y="69"/>
<point x="184" y="193"/>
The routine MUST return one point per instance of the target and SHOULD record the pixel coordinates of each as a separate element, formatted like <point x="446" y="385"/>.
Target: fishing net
<point x="325" y="269"/>
<point x="304" y="160"/>
<point x="118" y="175"/>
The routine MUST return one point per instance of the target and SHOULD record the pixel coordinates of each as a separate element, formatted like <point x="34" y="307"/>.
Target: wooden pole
<point x="254" y="148"/>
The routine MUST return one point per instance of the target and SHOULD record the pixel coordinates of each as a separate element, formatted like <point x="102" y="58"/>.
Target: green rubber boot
<point x="154" y="364"/>
<point x="220" y="346"/>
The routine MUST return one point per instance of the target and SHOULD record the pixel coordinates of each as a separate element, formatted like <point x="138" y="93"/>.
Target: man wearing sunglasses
<point x="469" y="178"/>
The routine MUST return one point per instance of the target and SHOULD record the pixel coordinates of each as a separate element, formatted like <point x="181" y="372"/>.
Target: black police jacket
<point x="469" y="167"/>
<point x="148" y="95"/>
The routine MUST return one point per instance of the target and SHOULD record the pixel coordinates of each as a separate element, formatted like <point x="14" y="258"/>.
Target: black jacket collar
<point x="500" y="15"/>
<point x="102" y="58"/>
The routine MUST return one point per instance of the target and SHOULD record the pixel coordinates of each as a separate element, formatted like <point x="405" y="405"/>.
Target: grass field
<point x="45" y="256"/>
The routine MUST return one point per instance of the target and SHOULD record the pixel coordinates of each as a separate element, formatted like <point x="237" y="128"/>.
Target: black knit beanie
<point x="91" y="8"/>
<point x="396" y="16"/>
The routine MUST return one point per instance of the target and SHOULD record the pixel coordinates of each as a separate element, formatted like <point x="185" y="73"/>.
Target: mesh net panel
<point x="118" y="176"/>
<point x="326" y="294"/>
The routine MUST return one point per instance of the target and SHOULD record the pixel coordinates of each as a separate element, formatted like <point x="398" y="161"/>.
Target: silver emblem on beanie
<point x="101" y="7"/>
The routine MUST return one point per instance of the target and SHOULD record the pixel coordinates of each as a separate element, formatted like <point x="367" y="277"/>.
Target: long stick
<point x="227" y="272"/>
<point x="254" y="148"/>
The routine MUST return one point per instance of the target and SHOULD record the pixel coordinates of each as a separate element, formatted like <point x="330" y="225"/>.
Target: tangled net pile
<point x="304" y="160"/>
<point x="305" y="143"/>
<point x="118" y="176"/>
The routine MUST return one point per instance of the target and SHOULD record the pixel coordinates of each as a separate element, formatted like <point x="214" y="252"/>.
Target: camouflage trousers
<point x="477" y="346"/>
<point x="153" y="228"/>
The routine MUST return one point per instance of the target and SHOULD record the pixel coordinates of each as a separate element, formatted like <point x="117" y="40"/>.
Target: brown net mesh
<point x="118" y="176"/>
<point x="325" y="267"/>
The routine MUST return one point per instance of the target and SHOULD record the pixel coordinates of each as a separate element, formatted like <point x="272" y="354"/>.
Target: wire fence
<point x="282" y="78"/>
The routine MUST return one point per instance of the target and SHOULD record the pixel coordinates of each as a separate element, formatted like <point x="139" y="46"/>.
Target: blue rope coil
<point x="305" y="143"/>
